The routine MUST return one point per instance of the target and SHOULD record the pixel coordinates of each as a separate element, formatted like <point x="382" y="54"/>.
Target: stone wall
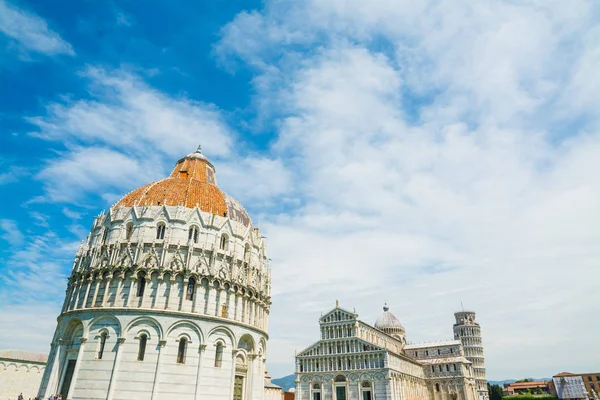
<point x="19" y="377"/>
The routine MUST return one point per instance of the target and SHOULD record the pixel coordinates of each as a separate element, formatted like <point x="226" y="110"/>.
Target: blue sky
<point x="420" y="154"/>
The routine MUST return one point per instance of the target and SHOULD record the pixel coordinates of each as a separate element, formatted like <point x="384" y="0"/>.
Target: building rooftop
<point x="525" y="385"/>
<point x="192" y="183"/>
<point x="23" y="355"/>
<point x="443" y="360"/>
<point x="440" y="343"/>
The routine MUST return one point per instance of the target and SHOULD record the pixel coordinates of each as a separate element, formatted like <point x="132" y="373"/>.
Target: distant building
<point x="354" y="360"/>
<point x="21" y="372"/>
<point x="290" y="395"/>
<point x="272" y="391"/>
<point x="589" y="380"/>
<point x="568" y="386"/>
<point x="511" y="389"/>
<point x="467" y="330"/>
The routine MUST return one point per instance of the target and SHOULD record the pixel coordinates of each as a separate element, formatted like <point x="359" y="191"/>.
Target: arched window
<point x="181" y="351"/>
<point x="316" y="392"/>
<point x="366" y="390"/>
<point x="191" y="287"/>
<point x="160" y="231"/>
<point x="219" y="355"/>
<point x="128" y="231"/>
<point x="246" y="251"/>
<point x="141" y="286"/>
<point x="224" y="242"/>
<point x="437" y="387"/>
<point x="105" y="235"/>
<point x="103" y="336"/>
<point x="142" y="347"/>
<point x="193" y="234"/>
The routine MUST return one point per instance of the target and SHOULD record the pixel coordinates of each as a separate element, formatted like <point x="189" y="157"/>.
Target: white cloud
<point x="128" y="134"/>
<point x="434" y="161"/>
<point x="29" y="303"/>
<point x="12" y="174"/>
<point x="11" y="232"/>
<point x="82" y="171"/>
<point x="425" y="153"/>
<point x="31" y="31"/>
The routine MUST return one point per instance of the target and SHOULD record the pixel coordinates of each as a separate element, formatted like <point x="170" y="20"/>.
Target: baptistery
<point x="168" y="298"/>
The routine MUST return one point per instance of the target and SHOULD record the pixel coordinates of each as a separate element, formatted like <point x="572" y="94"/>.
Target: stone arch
<point x="262" y="347"/>
<point x="110" y="328"/>
<point x="221" y="332"/>
<point x="179" y="325"/>
<point x="144" y="322"/>
<point x="365" y="376"/>
<point x="247" y="343"/>
<point x="12" y="364"/>
<point x="71" y="329"/>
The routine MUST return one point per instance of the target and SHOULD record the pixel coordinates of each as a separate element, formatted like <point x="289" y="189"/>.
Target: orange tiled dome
<point x="192" y="183"/>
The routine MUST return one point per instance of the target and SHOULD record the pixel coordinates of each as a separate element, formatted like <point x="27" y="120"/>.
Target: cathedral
<point x="168" y="298"/>
<point x="356" y="361"/>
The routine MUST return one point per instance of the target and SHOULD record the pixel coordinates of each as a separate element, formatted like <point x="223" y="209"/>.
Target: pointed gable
<point x="338" y="314"/>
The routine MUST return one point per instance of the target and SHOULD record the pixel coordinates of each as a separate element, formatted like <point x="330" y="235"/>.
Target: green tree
<point x="495" y="392"/>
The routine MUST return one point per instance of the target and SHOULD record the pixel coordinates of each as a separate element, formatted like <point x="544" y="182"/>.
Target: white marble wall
<point x="119" y="374"/>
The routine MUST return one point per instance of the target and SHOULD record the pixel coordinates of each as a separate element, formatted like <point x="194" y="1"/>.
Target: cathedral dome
<point x="191" y="184"/>
<point x="387" y="320"/>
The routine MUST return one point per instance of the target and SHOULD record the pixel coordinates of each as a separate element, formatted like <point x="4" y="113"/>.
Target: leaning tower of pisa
<point x="468" y="331"/>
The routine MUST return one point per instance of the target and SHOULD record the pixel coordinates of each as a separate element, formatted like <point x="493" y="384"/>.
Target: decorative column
<point x="230" y="304"/>
<point x="181" y="302"/>
<point x="232" y="379"/>
<point x="69" y="293"/>
<point x="238" y="307"/>
<point x="201" y="351"/>
<point x="196" y="294"/>
<point x="250" y="376"/>
<point x="161" y="345"/>
<point x="98" y="280"/>
<point x="52" y="385"/>
<point x="171" y="294"/>
<point x="132" y="281"/>
<point x="87" y="291"/>
<point x="106" y="289"/>
<point x="218" y="300"/>
<point x="207" y="296"/>
<point x="83" y="341"/>
<point x="115" y="369"/>
<point x="121" y="280"/>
